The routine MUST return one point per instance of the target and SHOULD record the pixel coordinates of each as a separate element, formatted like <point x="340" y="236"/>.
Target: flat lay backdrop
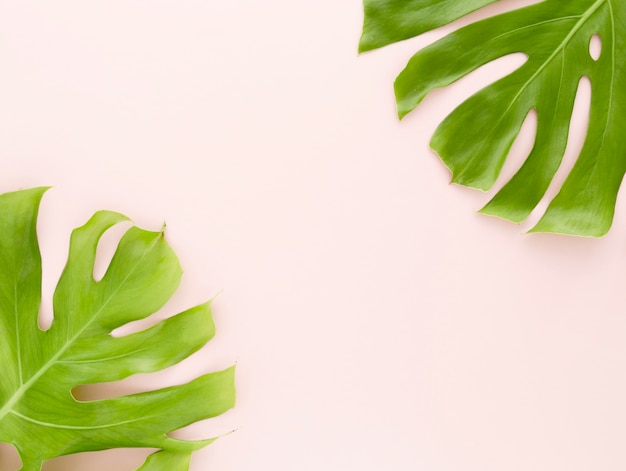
<point x="377" y="322"/>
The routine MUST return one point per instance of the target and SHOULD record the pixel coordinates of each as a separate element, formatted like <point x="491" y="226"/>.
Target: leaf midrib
<point x="19" y="393"/>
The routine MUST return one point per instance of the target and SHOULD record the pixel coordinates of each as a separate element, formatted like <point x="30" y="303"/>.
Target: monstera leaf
<point x="473" y="141"/>
<point x="38" y="413"/>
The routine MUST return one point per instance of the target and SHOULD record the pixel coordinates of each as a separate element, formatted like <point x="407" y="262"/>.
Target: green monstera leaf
<point x="38" y="413"/>
<point x="473" y="141"/>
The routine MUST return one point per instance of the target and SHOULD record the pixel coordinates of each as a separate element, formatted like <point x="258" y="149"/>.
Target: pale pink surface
<point x="377" y="322"/>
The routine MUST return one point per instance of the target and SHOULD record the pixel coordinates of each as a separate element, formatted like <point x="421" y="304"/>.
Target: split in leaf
<point x="474" y="140"/>
<point x="39" y="369"/>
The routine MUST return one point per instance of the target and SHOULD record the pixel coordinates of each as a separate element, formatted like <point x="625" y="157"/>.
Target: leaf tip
<point x="366" y="44"/>
<point x="501" y="213"/>
<point x="210" y="301"/>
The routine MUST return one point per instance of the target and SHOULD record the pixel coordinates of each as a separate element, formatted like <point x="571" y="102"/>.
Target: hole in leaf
<point x="521" y="148"/>
<point x="53" y="248"/>
<point x="9" y="458"/>
<point x="211" y="427"/>
<point x="137" y="326"/>
<point x="441" y="102"/>
<point x="107" y="245"/>
<point x="119" y="458"/>
<point x="180" y="373"/>
<point x="595" y="47"/>
<point x="575" y="140"/>
<point x="494" y="9"/>
<point x="112" y="389"/>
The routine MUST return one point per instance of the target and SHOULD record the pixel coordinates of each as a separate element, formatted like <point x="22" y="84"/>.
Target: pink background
<point x="377" y="322"/>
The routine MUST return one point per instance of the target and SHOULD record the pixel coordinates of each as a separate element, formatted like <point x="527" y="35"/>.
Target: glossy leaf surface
<point x="38" y="413"/>
<point x="474" y="140"/>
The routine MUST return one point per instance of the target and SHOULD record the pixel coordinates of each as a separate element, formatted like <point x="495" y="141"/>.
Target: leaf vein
<point x="76" y="427"/>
